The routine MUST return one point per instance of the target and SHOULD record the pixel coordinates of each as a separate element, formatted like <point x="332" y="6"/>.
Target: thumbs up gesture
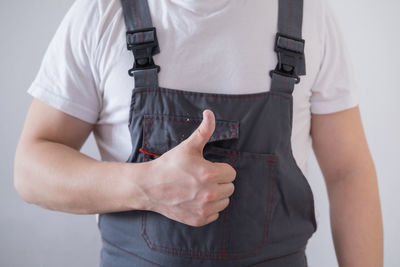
<point x="184" y="186"/>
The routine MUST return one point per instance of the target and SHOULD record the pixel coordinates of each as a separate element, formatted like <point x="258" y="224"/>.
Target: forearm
<point x="356" y="219"/>
<point x="58" y="177"/>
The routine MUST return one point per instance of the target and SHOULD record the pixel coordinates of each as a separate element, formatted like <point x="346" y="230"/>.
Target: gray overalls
<point x="271" y="213"/>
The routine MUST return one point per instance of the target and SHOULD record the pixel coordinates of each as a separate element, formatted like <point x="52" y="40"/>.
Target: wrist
<point x="136" y="177"/>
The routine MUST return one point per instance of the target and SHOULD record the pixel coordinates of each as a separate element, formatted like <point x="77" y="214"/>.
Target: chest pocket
<point x="242" y="228"/>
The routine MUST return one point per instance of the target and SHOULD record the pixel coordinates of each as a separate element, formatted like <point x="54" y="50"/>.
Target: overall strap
<point x="141" y="39"/>
<point x="289" y="47"/>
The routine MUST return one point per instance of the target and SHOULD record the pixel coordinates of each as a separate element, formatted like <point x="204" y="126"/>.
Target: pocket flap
<point x="163" y="132"/>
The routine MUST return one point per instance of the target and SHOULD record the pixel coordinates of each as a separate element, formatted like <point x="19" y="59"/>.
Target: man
<point x="220" y="47"/>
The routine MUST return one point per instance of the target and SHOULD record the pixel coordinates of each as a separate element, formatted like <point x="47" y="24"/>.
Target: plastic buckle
<point x="295" y="77"/>
<point x="290" y="51"/>
<point x="143" y="50"/>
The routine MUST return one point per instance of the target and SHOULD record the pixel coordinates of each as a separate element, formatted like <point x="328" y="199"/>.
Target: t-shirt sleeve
<point x="67" y="76"/>
<point x="335" y="88"/>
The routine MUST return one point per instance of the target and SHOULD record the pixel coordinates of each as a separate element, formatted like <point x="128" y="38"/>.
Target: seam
<point x="223" y="228"/>
<point x="271" y="194"/>
<point x="230" y="208"/>
<point x="129" y="253"/>
<point x="233" y="132"/>
<point x="211" y="95"/>
<point x="270" y="164"/>
<point x="139" y="19"/>
<point x="191" y="121"/>
<point x="222" y="234"/>
<point x="279" y="258"/>
<point x="305" y="181"/>
<point x="225" y="233"/>
<point x="309" y="190"/>
<point x="39" y="92"/>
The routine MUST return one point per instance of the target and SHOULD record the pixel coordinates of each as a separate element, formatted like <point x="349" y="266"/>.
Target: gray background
<point x="31" y="236"/>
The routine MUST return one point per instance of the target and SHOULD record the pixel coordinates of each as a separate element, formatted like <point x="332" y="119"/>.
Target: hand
<point x="186" y="187"/>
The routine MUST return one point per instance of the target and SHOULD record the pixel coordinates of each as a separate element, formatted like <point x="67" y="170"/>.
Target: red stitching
<point x="129" y="253"/>
<point x="290" y="16"/>
<point x="149" y="153"/>
<point x="271" y="194"/>
<point x="225" y="126"/>
<point x="148" y="132"/>
<point x="220" y="124"/>
<point x="211" y="254"/>
<point x="222" y="234"/>
<point x="225" y="232"/>
<point x="191" y="121"/>
<point x="230" y="208"/>
<point x="164" y="90"/>
<point x="178" y="252"/>
<point x="223" y="248"/>
<point x="147" y="127"/>
<point x="207" y="254"/>
<point x="279" y="258"/>
<point x="238" y="97"/>
<point x="138" y="16"/>
<point x="144" y="140"/>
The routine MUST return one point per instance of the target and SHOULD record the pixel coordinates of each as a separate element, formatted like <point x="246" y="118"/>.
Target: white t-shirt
<point x="217" y="46"/>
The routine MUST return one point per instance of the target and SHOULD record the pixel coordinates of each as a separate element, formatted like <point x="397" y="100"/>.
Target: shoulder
<point x="88" y="24"/>
<point x="315" y="14"/>
<point x="317" y="7"/>
<point x="93" y="15"/>
<point x="88" y="8"/>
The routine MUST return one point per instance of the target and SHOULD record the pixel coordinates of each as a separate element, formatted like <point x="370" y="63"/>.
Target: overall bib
<point x="270" y="216"/>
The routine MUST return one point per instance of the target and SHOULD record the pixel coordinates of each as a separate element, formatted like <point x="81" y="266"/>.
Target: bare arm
<point x="343" y="155"/>
<point x="52" y="173"/>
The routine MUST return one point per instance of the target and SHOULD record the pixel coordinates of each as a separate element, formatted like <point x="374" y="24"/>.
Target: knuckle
<point x="207" y="175"/>
<point x="203" y="212"/>
<point x="208" y="196"/>
<point x="201" y="133"/>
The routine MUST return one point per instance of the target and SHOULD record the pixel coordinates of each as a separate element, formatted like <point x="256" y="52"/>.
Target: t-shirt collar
<point x="202" y="7"/>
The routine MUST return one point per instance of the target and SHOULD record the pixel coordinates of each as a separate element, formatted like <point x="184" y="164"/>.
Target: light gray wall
<point x="371" y="30"/>
<point x="31" y="236"/>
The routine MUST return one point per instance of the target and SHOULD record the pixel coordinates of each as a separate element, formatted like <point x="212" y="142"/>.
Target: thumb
<point x="198" y="139"/>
